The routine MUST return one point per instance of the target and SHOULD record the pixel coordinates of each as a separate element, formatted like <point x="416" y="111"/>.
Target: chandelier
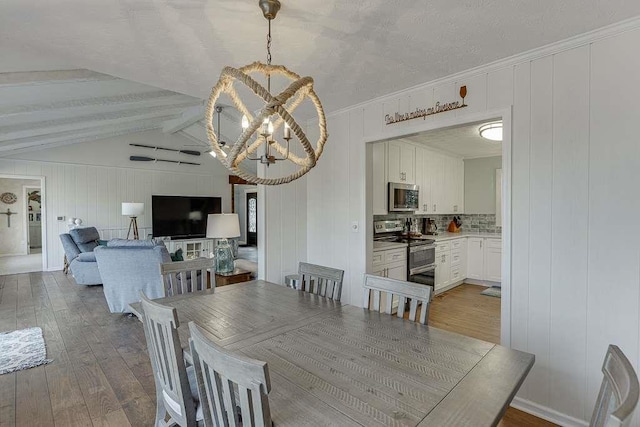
<point x="260" y="132"/>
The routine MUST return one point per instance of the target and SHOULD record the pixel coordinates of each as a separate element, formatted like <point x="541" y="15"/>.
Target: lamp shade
<point x="223" y="226"/>
<point x="132" y="209"/>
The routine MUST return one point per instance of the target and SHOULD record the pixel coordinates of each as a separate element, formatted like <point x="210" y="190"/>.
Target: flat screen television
<point x="182" y="217"/>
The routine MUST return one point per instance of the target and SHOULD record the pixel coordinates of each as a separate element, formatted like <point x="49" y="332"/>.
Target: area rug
<point x="22" y="349"/>
<point x="494" y="291"/>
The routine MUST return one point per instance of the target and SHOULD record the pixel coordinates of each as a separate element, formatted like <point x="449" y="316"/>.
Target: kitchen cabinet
<point x="380" y="180"/>
<point x="443" y="265"/>
<point x="391" y="263"/>
<point x="493" y="260"/>
<point x="475" y="258"/>
<point x="484" y="259"/>
<point x="401" y="162"/>
<point x="440" y="177"/>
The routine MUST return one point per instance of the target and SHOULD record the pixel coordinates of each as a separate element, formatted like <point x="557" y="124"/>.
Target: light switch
<point x="355" y="227"/>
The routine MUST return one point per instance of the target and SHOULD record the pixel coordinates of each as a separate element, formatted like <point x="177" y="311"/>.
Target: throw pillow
<point x="177" y="255"/>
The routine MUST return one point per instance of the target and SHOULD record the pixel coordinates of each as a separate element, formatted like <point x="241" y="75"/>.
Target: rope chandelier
<point x="259" y="130"/>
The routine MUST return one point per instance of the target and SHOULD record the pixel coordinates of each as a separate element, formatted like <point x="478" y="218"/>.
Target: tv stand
<point x="191" y="248"/>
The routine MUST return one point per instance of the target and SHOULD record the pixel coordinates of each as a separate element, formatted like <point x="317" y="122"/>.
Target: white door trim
<point x="43" y="211"/>
<point x="506" y="115"/>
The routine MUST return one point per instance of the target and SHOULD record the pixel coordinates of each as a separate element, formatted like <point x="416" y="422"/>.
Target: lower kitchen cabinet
<point x="493" y="260"/>
<point x="391" y="263"/>
<point x="475" y="258"/>
<point x="443" y="270"/>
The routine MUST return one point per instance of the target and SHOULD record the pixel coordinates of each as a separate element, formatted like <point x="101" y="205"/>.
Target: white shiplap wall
<point x="95" y="193"/>
<point x="575" y="255"/>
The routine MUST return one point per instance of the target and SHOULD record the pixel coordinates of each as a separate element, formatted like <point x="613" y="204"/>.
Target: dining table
<point x="335" y="364"/>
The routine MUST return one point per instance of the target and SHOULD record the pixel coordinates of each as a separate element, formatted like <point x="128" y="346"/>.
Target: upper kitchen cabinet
<point x="379" y="183"/>
<point x="401" y="162"/>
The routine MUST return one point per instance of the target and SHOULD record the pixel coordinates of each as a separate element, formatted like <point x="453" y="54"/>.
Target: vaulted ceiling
<point x="355" y="50"/>
<point x="167" y="55"/>
<point x="43" y="109"/>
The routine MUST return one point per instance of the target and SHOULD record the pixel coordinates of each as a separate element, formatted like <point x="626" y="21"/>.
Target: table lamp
<point x="132" y="210"/>
<point x="223" y="227"/>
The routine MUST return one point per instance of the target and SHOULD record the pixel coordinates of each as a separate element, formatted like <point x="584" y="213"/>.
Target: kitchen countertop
<point x="383" y="246"/>
<point x="450" y="236"/>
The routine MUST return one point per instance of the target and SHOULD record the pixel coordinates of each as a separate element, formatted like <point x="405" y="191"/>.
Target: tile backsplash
<point x="479" y="223"/>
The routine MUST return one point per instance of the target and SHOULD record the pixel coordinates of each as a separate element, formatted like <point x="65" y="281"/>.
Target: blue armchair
<point x="128" y="267"/>
<point x="78" y="247"/>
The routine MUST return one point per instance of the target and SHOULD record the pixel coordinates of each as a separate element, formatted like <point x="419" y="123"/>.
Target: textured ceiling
<point x="463" y="141"/>
<point x="355" y="50"/>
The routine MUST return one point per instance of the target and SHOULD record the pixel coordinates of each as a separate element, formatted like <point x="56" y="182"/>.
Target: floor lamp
<point x="132" y="210"/>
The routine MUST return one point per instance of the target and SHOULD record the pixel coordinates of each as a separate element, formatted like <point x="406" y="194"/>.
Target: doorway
<point x="252" y="219"/>
<point x="22" y="224"/>
<point x="489" y="172"/>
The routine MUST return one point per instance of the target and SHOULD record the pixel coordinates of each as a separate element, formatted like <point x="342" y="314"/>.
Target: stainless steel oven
<point x="422" y="257"/>
<point x="403" y="197"/>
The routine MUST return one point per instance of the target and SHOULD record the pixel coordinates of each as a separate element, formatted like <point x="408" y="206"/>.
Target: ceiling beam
<point x="28" y="130"/>
<point x="188" y="117"/>
<point x="88" y="135"/>
<point x="26" y="78"/>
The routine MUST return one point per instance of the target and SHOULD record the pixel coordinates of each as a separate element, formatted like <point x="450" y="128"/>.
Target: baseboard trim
<point x="547" y="413"/>
<point x="486" y="283"/>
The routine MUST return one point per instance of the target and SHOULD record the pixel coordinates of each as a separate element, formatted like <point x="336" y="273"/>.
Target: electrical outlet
<point x="60" y="218"/>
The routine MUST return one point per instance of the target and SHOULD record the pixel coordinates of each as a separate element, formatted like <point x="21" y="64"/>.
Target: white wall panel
<point x="575" y="167"/>
<point x="569" y="238"/>
<point x="95" y="193"/>
<point x="614" y="173"/>
<point x="540" y="187"/>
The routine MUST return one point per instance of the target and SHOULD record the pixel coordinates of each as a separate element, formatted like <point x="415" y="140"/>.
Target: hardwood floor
<point x="464" y="311"/>
<point x="101" y="374"/>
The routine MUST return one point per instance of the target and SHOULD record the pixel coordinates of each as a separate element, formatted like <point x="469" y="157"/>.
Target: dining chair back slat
<point x="619" y="391"/>
<point x="320" y="280"/>
<point x="220" y="375"/>
<point x="181" y="277"/>
<point x="375" y="287"/>
<point x="167" y="362"/>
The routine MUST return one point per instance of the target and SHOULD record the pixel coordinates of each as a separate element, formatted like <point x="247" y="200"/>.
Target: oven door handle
<point x="420" y="270"/>
<point x="413" y="249"/>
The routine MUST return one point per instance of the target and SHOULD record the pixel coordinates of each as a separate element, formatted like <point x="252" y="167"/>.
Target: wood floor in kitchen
<point x="101" y="373"/>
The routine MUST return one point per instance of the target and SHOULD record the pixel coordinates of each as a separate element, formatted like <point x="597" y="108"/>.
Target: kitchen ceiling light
<point x="491" y="131"/>
<point x="279" y="106"/>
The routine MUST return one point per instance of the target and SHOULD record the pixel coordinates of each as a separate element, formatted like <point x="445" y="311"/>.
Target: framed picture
<point x="30" y="217"/>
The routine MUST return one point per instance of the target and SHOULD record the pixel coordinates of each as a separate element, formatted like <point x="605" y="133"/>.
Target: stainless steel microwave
<point x="403" y="197"/>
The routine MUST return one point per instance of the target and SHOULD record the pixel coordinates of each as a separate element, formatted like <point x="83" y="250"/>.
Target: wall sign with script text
<point x="390" y="119"/>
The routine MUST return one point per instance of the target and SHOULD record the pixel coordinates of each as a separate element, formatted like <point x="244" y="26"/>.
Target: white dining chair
<point x="320" y="280"/>
<point x="375" y="287"/>
<point x="176" y="391"/>
<point x="181" y="277"/>
<point x="619" y="391"/>
<point x="234" y="389"/>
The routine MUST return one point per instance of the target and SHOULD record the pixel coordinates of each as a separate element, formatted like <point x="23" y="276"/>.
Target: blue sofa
<point x="78" y="246"/>
<point x="128" y="267"/>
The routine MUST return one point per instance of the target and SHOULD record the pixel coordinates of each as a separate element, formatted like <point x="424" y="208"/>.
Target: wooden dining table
<point x="341" y="365"/>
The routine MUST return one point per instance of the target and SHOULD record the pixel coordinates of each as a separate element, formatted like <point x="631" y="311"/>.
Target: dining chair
<point x="375" y="287"/>
<point x="233" y="388"/>
<point x="181" y="277"/>
<point x="176" y="390"/>
<point x="619" y="391"/>
<point x="320" y="280"/>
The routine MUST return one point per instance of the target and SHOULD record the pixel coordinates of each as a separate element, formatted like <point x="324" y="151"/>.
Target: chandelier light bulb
<point x="245" y="122"/>
<point x="270" y="128"/>
<point x="287" y="131"/>
<point x="213" y="154"/>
